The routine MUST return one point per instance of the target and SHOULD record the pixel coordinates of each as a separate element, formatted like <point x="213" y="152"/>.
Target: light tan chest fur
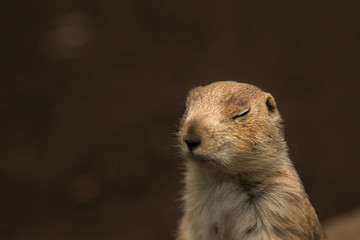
<point x="221" y="208"/>
<point x="214" y="208"/>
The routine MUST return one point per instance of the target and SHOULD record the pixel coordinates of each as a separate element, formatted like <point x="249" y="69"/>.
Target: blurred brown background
<point x="91" y="92"/>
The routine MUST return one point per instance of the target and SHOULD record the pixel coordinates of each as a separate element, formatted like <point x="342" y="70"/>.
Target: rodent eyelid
<point x="242" y="113"/>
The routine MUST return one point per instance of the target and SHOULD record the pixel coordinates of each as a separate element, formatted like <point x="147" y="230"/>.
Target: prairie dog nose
<point x="192" y="136"/>
<point x="192" y="144"/>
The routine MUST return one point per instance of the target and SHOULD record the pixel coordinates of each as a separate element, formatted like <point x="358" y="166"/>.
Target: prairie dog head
<point x="231" y="126"/>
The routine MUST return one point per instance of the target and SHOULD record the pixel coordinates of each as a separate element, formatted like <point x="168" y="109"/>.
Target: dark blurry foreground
<point x="91" y="93"/>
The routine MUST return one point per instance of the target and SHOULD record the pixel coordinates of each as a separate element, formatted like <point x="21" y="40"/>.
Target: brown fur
<point x="240" y="183"/>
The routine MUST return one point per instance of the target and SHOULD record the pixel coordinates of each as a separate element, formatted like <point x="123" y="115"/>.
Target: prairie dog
<point x="240" y="183"/>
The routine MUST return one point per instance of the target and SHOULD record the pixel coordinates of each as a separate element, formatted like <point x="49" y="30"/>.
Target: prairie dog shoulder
<point x="240" y="183"/>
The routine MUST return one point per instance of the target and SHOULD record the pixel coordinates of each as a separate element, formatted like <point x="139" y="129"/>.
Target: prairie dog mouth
<point x="197" y="157"/>
<point x="201" y="158"/>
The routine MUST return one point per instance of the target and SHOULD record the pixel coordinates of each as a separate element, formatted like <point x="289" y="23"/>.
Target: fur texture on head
<point x="234" y="125"/>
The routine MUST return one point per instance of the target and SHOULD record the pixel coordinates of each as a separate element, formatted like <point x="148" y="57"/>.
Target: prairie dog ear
<point x="270" y="103"/>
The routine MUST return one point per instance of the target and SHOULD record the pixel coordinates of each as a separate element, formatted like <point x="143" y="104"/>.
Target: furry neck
<point x="272" y="204"/>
